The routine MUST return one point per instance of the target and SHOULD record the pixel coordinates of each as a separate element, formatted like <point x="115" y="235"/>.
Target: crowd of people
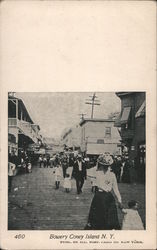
<point x="105" y="172"/>
<point x="66" y="167"/>
<point x="18" y="164"/>
<point x="123" y="169"/>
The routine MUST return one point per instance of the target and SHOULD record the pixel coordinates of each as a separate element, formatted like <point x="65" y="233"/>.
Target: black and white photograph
<point x="76" y="161"/>
<point x="77" y="125"/>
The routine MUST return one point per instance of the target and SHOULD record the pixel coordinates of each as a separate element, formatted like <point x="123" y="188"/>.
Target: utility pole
<point x="82" y="116"/>
<point x="92" y="102"/>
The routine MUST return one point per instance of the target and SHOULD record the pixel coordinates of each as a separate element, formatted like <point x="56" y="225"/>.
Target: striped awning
<point x="141" y="110"/>
<point x="125" y="115"/>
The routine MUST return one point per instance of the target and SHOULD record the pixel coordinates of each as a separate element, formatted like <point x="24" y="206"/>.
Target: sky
<point x="57" y="111"/>
<point x="85" y="45"/>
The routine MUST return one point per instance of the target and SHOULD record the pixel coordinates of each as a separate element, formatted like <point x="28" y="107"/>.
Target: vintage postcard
<point x="78" y="125"/>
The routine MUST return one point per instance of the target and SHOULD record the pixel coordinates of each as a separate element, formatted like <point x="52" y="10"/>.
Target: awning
<point x="117" y="122"/>
<point x="125" y="115"/>
<point x="141" y="110"/>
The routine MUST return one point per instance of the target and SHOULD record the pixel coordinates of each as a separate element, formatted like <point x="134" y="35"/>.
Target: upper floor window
<point x="100" y="141"/>
<point x="108" y="132"/>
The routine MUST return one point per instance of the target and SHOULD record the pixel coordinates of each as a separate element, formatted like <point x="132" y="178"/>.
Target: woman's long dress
<point x="103" y="211"/>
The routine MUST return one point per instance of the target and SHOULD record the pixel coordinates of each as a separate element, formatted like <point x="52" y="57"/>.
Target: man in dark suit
<point x="126" y="172"/>
<point x="65" y="164"/>
<point x="116" y="167"/>
<point x="79" y="173"/>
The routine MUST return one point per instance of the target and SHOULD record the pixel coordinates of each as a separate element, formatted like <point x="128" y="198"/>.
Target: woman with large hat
<point x="103" y="211"/>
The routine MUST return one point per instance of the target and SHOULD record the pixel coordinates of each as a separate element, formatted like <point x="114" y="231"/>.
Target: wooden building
<point x="133" y="131"/>
<point x="99" y="136"/>
<point x="21" y="129"/>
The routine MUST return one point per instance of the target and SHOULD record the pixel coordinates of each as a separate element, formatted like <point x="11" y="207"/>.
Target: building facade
<point x="21" y="129"/>
<point x="133" y="131"/>
<point x="99" y="136"/>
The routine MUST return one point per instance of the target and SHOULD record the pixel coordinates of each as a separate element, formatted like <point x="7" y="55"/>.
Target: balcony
<point x="12" y="122"/>
<point x="25" y="127"/>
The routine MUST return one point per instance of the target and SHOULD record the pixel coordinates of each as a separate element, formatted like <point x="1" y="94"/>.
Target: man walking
<point x="79" y="173"/>
<point x="64" y="163"/>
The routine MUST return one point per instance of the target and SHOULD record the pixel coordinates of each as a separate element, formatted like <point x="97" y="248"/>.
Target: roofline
<point x="119" y="94"/>
<point x="23" y="105"/>
<point x="36" y="125"/>
<point x="95" y="120"/>
<point x="13" y="97"/>
<point x="124" y="93"/>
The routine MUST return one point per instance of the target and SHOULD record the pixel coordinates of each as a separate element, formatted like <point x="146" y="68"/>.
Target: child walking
<point x="29" y="167"/>
<point x="132" y="219"/>
<point x="58" y="175"/>
<point x="67" y="183"/>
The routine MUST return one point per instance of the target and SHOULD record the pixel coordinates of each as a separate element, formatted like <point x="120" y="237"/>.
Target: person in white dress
<point x="29" y="167"/>
<point x="67" y="183"/>
<point x="40" y="161"/>
<point x="58" y="175"/>
<point x="103" y="211"/>
<point x="132" y="219"/>
<point x="11" y="170"/>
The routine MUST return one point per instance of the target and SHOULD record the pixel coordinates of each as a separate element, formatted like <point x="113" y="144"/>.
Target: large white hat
<point x="105" y="159"/>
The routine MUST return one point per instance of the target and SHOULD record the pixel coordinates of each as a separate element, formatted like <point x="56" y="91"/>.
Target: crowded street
<point x="35" y="204"/>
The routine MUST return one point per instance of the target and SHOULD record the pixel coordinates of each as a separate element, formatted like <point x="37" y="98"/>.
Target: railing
<point x="25" y="127"/>
<point x="12" y="122"/>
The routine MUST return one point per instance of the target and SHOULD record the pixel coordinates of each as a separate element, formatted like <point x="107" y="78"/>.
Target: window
<point x="100" y="141"/>
<point x="108" y="132"/>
